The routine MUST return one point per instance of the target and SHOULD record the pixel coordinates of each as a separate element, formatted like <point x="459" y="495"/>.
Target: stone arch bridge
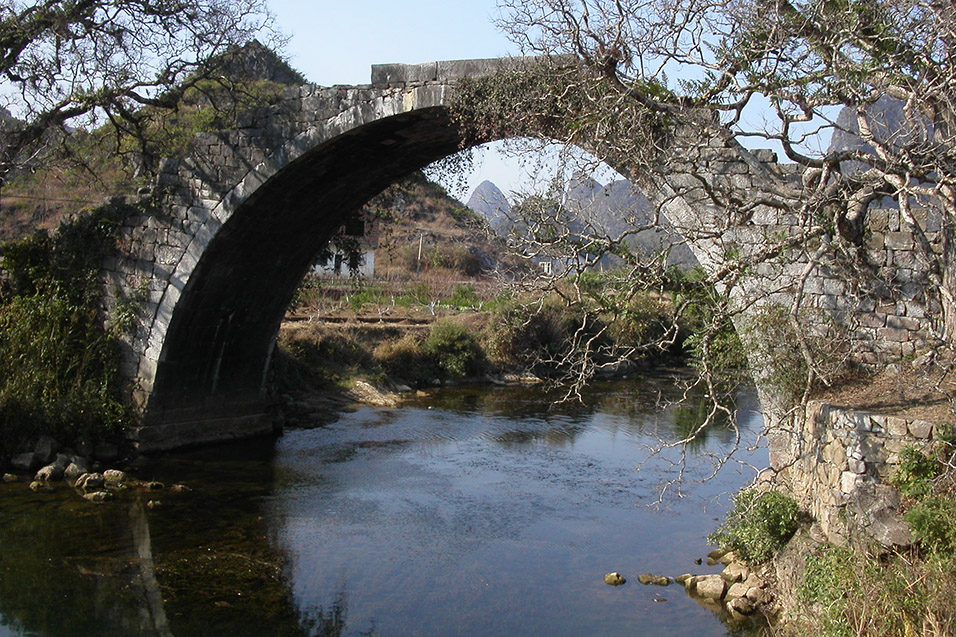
<point x="238" y="221"/>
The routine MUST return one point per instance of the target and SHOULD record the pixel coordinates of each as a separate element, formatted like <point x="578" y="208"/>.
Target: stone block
<point x="921" y="429"/>
<point x="896" y="426"/>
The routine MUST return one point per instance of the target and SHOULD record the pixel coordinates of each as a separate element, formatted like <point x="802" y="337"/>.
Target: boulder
<point x="74" y="470"/>
<point x="728" y="558"/>
<point x="45" y="449"/>
<point x="37" y="485"/>
<point x="684" y="580"/>
<point x="710" y="586"/>
<point x="737" y="589"/>
<point x="24" y="461"/>
<point x="657" y="580"/>
<point x="735" y="572"/>
<point x="759" y="595"/>
<point x="90" y="481"/>
<point x="9" y="477"/>
<point x="614" y="579"/>
<point x="50" y="473"/>
<point x="740" y="606"/>
<point x="98" y="496"/>
<point x="113" y="476"/>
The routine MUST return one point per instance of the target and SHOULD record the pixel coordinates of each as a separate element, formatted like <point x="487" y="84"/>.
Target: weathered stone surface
<point x="50" y="473"/>
<point x="920" y="429"/>
<point x="735" y="572"/>
<point x="89" y="481"/>
<point x="287" y="161"/>
<point x="684" y="580"/>
<point x="710" y="586"/>
<point x="741" y="606"/>
<point x="738" y="589"/>
<point x="75" y="469"/>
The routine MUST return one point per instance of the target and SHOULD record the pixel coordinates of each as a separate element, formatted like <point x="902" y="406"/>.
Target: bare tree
<point x="630" y="79"/>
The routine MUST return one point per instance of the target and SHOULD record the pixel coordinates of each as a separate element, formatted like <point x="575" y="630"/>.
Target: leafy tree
<point x="73" y="63"/>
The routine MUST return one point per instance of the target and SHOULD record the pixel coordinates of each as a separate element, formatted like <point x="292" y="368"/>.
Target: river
<point x="470" y="511"/>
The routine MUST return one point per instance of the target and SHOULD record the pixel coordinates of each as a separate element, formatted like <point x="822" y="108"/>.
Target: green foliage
<point x="710" y="337"/>
<point x="463" y="297"/>
<point x="455" y="350"/>
<point x="58" y="365"/>
<point x="915" y="473"/>
<point x="405" y="359"/>
<point x="824" y="584"/>
<point x="370" y="295"/>
<point x="418" y="294"/>
<point x="758" y="525"/>
<point x="852" y="592"/>
<point x="317" y="357"/>
<point x="533" y="338"/>
<point x="933" y="523"/>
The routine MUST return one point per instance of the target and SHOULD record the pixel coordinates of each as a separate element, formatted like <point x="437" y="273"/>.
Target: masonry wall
<point x="839" y="465"/>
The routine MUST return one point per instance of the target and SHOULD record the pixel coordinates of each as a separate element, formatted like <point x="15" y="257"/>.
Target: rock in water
<point x="657" y="580"/>
<point x="614" y="579"/>
<point x="710" y="586"/>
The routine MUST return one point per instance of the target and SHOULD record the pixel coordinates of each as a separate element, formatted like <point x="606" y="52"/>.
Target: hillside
<point x="87" y="166"/>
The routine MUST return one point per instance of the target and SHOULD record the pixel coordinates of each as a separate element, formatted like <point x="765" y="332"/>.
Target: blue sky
<point x="338" y="42"/>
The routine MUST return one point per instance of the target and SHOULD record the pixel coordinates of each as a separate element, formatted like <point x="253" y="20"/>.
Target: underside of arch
<point x="210" y="378"/>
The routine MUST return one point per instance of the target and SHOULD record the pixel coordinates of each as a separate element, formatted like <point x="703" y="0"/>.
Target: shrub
<point x="454" y="350"/>
<point x="405" y="359"/>
<point x="933" y="523"/>
<point x="915" y="473"/>
<point x="758" y="525"/>
<point x="464" y="296"/>
<point x="59" y="366"/>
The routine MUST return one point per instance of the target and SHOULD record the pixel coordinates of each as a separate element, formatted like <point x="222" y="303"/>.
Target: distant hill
<point x="490" y="203"/>
<point x="610" y="209"/>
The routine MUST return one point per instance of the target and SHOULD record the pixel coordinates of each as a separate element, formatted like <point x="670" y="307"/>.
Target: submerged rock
<point x="9" y="477"/>
<point x="657" y="580"/>
<point x="614" y="579"/>
<point x="98" y="496"/>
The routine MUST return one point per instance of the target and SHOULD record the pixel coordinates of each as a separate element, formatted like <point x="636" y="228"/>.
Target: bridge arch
<point x="244" y="215"/>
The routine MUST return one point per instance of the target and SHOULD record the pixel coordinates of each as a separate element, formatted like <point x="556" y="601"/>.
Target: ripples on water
<point x="472" y="512"/>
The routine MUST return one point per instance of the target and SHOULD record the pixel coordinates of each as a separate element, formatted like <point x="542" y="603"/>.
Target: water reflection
<point x="472" y="512"/>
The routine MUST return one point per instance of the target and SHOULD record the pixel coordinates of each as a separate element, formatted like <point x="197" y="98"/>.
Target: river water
<point x="465" y="512"/>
